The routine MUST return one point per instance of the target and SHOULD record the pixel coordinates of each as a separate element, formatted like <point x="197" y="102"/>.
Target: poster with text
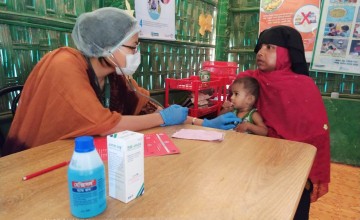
<point x="303" y="15"/>
<point x="337" y="47"/>
<point x="156" y="19"/>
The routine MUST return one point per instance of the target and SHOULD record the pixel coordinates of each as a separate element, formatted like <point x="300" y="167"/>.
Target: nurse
<point x="88" y="91"/>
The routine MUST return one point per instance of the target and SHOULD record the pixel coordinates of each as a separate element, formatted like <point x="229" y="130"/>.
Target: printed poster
<point x="156" y="19"/>
<point x="337" y="46"/>
<point x="303" y="15"/>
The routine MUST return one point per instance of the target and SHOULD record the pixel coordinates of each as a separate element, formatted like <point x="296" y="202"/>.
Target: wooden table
<point x="243" y="177"/>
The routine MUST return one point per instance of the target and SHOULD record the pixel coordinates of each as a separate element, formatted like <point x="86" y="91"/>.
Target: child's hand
<point x="242" y="127"/>
<point x="227" y="104"/>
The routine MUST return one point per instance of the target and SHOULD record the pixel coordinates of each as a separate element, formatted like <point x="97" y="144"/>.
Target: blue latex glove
<point x="226" y="121"/>
<point x="173" y="115"/>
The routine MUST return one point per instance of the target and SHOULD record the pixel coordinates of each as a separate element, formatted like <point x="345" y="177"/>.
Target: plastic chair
<point x="13" y="92"/>
<point x="10" y="95"/>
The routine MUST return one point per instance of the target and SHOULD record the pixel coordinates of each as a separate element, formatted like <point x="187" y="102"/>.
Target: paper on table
<point x="203" y="135"/>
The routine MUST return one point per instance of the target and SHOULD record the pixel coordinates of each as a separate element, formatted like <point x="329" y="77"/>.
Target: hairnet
<point x="99" y="33"/>
<point x="290" y="38"/>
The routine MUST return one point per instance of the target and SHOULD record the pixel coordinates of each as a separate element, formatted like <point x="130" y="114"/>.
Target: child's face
<point x="240" y="97"/>
<point x="266" y="58"/>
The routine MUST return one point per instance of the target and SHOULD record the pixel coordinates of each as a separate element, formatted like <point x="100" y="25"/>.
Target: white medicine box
<point x="126" y="165"/>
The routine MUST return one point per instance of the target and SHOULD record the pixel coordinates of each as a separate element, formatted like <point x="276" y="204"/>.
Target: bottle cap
<point x="204" y="75"/>
<point x="84" y="144"/>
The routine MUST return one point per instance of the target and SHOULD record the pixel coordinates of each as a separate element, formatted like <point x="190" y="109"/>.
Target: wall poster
<point x="303" y="15"/>
<point x="337" y="47"/>
<point x="156" y="19"/>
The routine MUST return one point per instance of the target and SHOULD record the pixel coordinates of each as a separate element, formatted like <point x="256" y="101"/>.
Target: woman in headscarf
<point x="291" y="104"/>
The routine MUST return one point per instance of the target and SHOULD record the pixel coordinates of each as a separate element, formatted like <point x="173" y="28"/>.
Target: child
<point x="244" y="95"/>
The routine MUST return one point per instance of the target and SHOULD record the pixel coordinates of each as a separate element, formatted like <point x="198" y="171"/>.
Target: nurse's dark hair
<point x="104" y="62"/>
<point x="122" y="98"/>
<point x="250" y="84"/>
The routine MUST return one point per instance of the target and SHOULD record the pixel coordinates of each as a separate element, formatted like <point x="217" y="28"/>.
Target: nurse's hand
<point x="225" y="122"/>
<point x="173" y="115"/>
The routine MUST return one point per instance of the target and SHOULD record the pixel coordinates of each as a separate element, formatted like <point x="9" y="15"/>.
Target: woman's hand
<point x="173" y="115"/>
<point x="226" y="121"/>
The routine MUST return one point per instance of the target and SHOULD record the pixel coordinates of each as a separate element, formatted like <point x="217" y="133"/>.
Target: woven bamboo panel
<point x="244" y="30"/>
<point x="187" y="14"/>
<point x="245" y="3"/>
<point x="246" y="60"/>
<point x="187" y="20"/>
<point x="183" y="57"/>
<point x="31" y="28"/>
<point x="342" y="83"/>
<point x="170" y="60"/>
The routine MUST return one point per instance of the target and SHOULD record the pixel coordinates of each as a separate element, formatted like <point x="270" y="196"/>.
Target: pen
<point x="40" y="172"/>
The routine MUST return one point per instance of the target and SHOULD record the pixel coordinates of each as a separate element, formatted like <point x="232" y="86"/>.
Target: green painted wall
<point x="344" y="122"/>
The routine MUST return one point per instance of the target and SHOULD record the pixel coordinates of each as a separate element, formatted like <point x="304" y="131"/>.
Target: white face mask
<point x="132" y="63"/>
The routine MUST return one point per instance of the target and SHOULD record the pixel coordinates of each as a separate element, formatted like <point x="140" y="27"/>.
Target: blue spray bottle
<point x="86" y="180"/>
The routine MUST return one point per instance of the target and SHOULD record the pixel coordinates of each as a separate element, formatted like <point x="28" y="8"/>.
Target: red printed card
<point x="156" y="144"/>
<point x="101" y="147"/>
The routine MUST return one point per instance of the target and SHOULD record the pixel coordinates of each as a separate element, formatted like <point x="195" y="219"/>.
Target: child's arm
<point x="258" y="128"/>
